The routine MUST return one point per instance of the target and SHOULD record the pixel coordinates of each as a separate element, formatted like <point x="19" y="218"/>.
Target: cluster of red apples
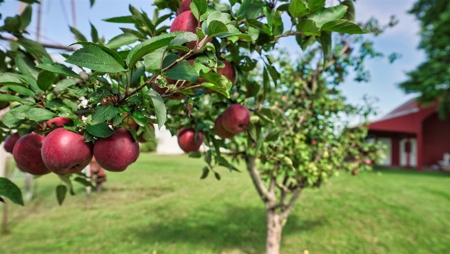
<point x="234" y="120"/>
<point x="186" y="22"/>
<point x="64" y="152"/>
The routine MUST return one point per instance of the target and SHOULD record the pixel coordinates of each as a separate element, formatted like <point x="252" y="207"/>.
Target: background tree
<point x="431" y="78"/>
<point x="216" y="79"/>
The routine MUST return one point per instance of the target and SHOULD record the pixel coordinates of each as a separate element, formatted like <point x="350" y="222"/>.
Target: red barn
<point x="414" y="135"/>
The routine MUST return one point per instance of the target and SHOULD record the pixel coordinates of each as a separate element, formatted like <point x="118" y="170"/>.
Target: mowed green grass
<point x="159" y="205"/>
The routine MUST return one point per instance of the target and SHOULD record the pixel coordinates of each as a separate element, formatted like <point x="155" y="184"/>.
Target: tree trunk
<point x="274" y="229"/>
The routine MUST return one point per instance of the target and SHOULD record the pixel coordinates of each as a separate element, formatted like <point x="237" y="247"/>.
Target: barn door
<point x="408" y="152"/>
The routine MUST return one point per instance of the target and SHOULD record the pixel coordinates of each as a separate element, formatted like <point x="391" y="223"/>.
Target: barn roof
<point x="406" y="118"/>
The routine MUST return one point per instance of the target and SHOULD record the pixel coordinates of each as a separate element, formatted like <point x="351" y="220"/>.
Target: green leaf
<point x="182" y="38"/>
<point x="70" y="104"/>
<point x="94" y="33"/>
<point x="218" y="16"/>
<point x="298" y="8"/>
<point x="61" y="191"/>
<point x="64" y="84"/>
<point x="272" y="136"/>
<point x="36" y="49"/>
<point x="8" y="97"/>
<point x="159" y="107"/>
<point x="45" y="79"/>
<point x="273" y="73"/>
<point x="254" y="9"/>
<point x="25" y="17"/>
<point x="224" y="163"/>
<point x="10" y="78"/>
<point x="20" y="112"/>
<point x="21" y="90"/>
<point x="195" y="154"/>
<point x="325" y="40"/>
<point x="95" y="58"/>
<point x="308" y="27"/>
<point x="83" y="181"/>
<point x="217" y="175"/>
<point x="217" y="82"/>
<point x="104" y="113"/>
<point x="12" y="24"/>
<point x="10" y="190"/>
<point x="66" y="179"/>
<point x="26" y="66"/>
<point x="344" y="26"/>
<point x="316" y="5"/>
<point x="91" y="3"/>
<point x="122" y="40"/>
<point x="182" y="71"/>
<point x="198" y="8"/>
<point x="78" y="35"/>
<point x="10" y="121"/>
<point x="101" y="130"/>
<point x="40" y="114"/>
<point x="149" y="46"/>
<point x="59" y="69"/>
<point x="205" y="172"/>
<point x="121" y="19"/>
<point x="328" y="15"/>
<point x="152" y="61"/>
<point x="111" y="52"/>
<point x="216" y="27"/>
<point x="350" y="14"/>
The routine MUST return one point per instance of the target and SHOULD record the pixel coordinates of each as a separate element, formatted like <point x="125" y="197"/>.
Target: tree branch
<point x="46" y="45"/>
<point x="285" y="213"/>
<point x="256" y="178"/>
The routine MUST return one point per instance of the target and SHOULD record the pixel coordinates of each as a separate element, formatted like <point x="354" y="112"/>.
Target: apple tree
<point x="213" y="74"/>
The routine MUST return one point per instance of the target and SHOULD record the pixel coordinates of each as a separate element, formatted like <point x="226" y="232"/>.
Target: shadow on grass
<point x="235" y="228"/>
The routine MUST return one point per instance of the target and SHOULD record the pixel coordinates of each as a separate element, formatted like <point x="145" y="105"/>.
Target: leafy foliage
<point x="430" y="79"/>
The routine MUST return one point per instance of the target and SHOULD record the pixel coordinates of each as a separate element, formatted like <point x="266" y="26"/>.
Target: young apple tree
<point x="215" y="78"/>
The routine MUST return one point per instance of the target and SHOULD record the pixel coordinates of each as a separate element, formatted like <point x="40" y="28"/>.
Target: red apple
<point x="187" y="140"/>
<point x="236" y="118"/>
<point x="187" y="22"/>
<point x="184" y="6"/>
<point x="220" y="131"/>
<point x="116" y="152"/>
<point x="65" y="152"/>
<point x="27" y="154"/>
<point x="58" y="121"/>
<point x="10" y="141"/>
<point x="368" y="161"/>
<point x="354" y="172"/>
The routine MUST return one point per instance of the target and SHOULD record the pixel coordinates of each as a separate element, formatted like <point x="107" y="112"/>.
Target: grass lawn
<point x="159" y="205"/>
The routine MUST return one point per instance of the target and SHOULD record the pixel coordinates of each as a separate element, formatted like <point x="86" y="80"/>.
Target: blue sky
<point x="402" y="39"/>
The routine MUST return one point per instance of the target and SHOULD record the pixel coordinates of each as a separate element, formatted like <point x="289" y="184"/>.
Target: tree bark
<point x="274" y="230"/>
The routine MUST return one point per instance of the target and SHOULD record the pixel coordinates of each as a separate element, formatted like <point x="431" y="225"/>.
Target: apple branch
<point x="256" y="178"/>
<point x="285" y="212"/>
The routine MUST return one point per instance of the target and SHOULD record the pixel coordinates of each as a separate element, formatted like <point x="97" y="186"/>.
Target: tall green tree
<point x="431" y="79"/>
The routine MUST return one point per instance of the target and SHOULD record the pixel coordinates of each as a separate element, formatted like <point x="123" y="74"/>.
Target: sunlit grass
<point x="159" y="205"/>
